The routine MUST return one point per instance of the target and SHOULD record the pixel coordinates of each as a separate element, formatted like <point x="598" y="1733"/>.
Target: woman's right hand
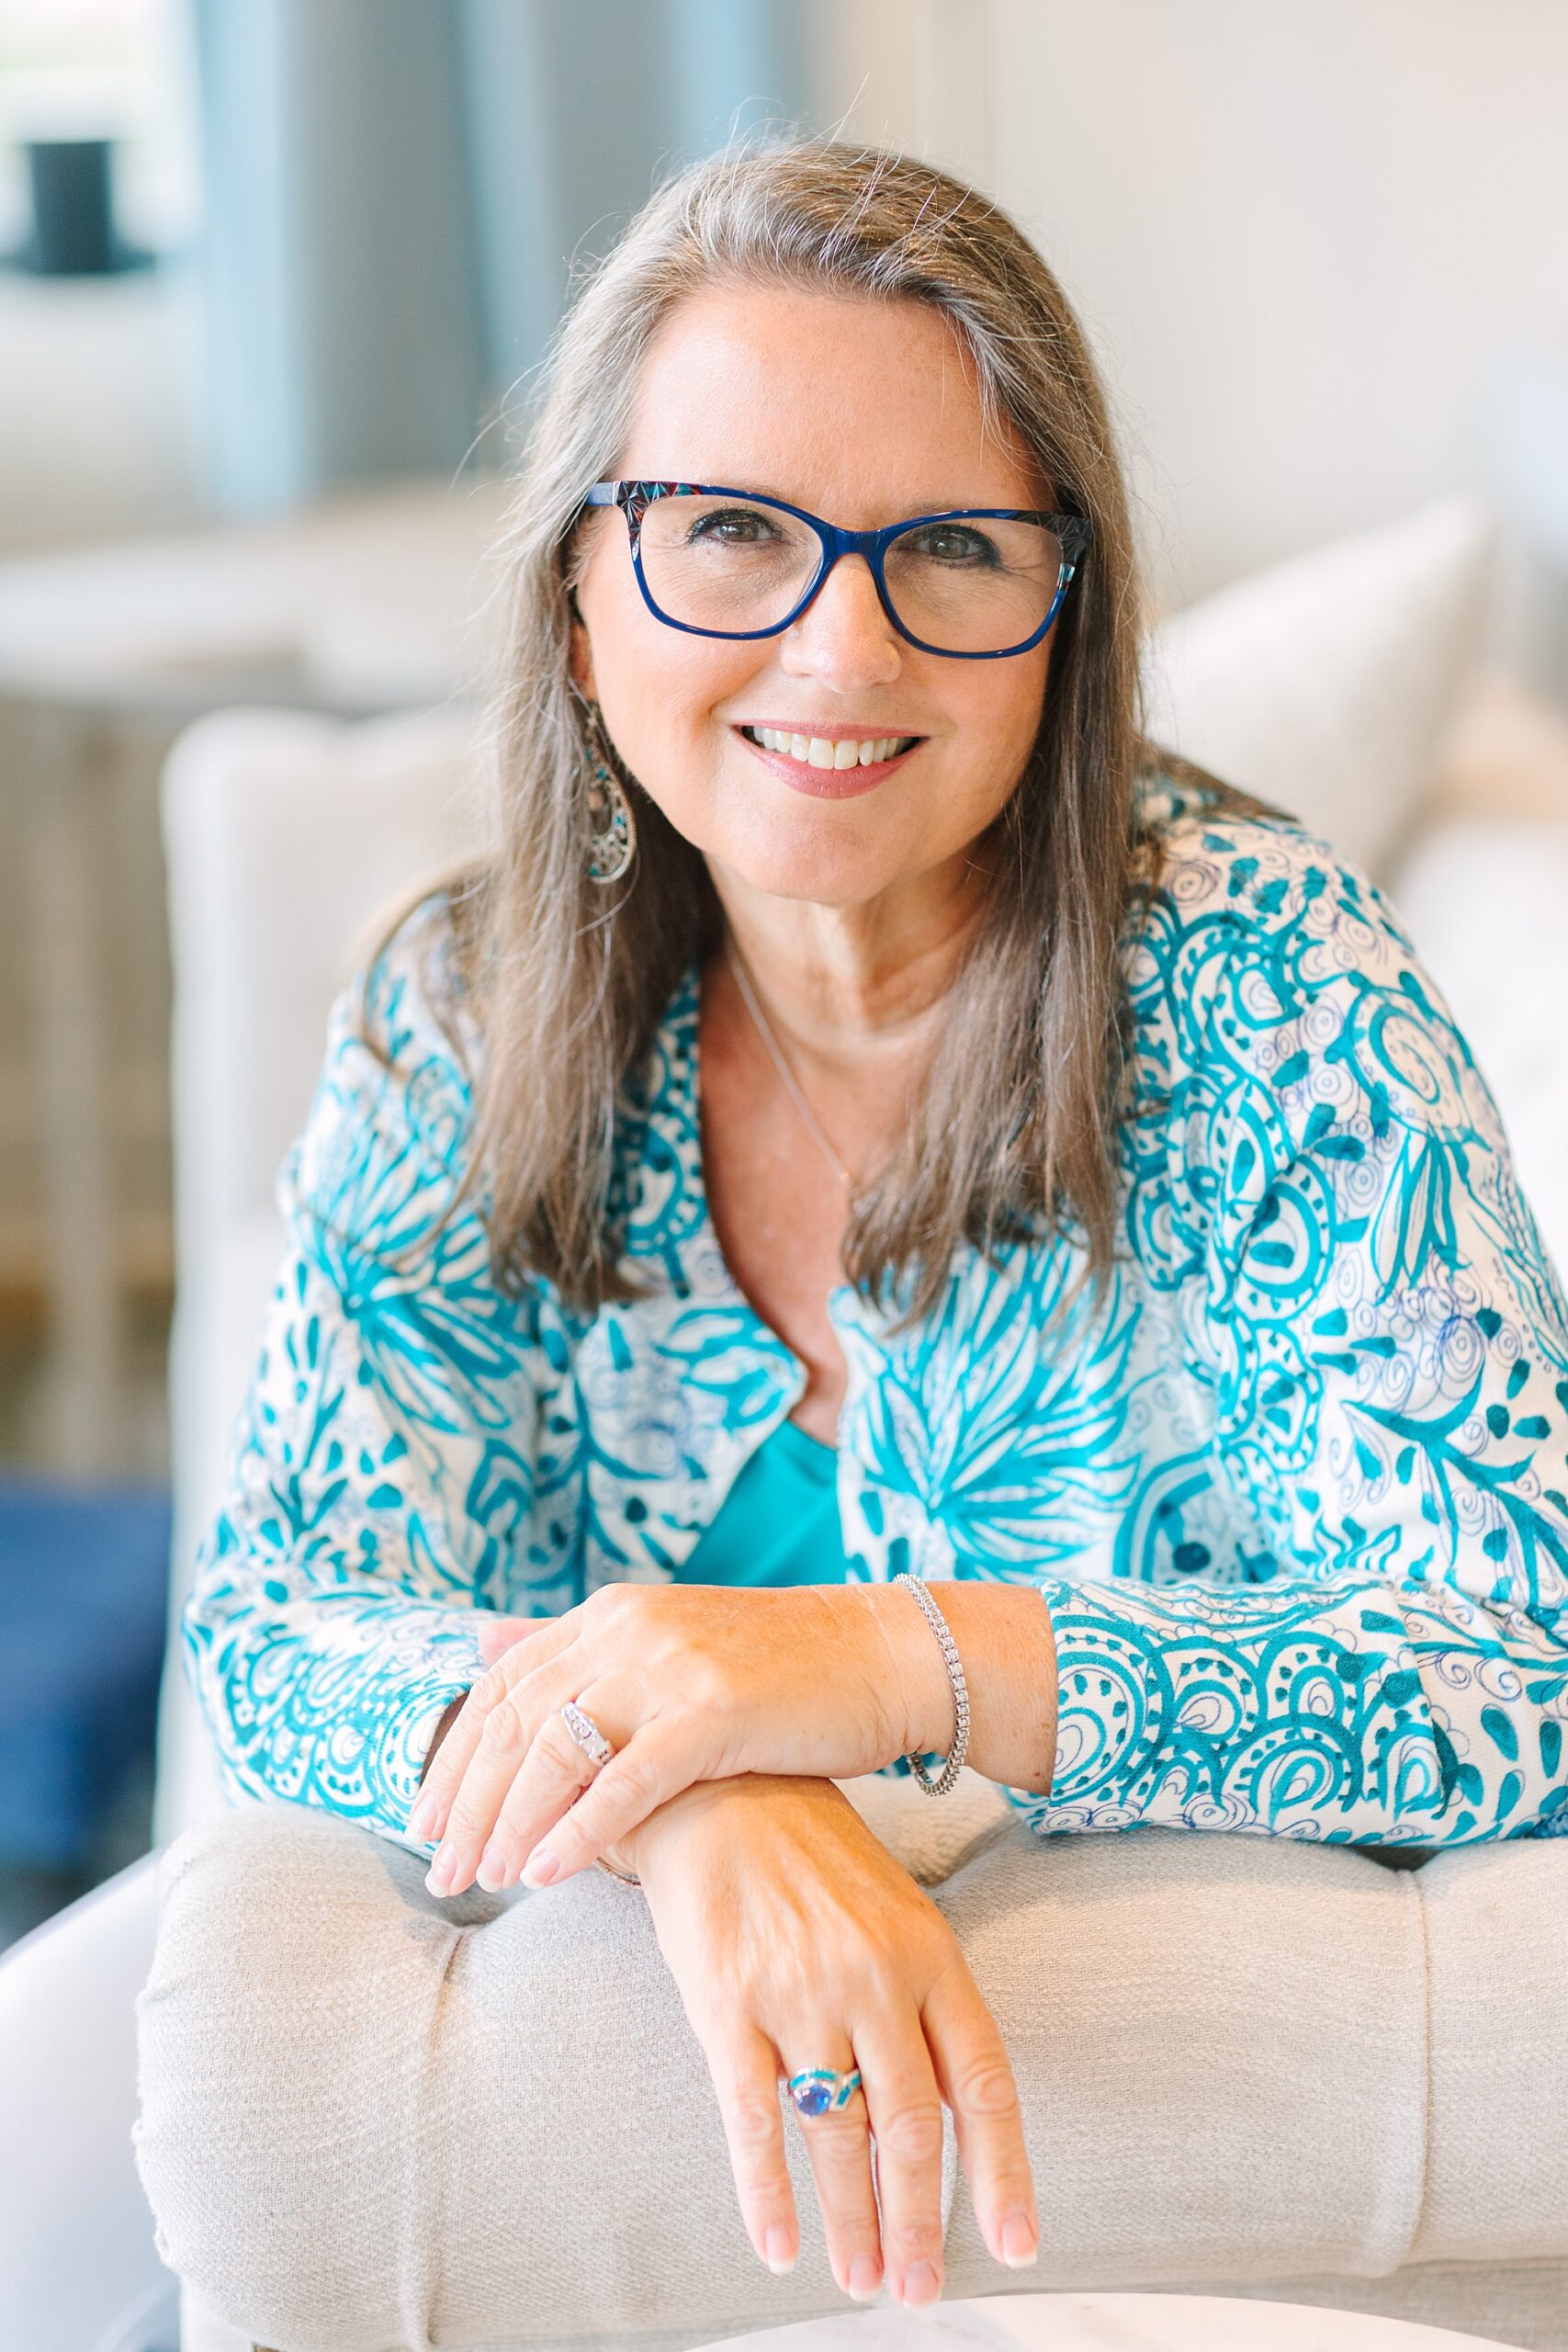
<point x="796" y="1940"/>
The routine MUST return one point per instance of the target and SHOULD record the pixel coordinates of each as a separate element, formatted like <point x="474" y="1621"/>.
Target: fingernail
<point x="865" y="2278"/>
<point x="492" y="1871"/>
<point x="422" y="1820"/>
<point x="442" y="1871"/>
<point x="1020" y="2243"/>
<point x="777" y="2250"/>
<point x="540" y="1867"/>
<point x="921" y="2285"/>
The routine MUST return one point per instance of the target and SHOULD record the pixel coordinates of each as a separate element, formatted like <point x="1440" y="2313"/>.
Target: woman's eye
<point x="737" y="527"/>
<point x="953" y="543"/>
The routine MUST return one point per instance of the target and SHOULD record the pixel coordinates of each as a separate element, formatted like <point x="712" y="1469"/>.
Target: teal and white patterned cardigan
<point x="1292" y="1488"/>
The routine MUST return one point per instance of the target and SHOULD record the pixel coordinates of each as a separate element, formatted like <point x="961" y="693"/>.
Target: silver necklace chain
<point x="824" y="1140"/>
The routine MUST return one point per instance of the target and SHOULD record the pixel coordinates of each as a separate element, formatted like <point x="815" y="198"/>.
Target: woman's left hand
<point x="687" y="1683"/>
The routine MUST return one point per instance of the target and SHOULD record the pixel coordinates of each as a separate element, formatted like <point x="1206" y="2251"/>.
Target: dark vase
<point x="73" y="225"/>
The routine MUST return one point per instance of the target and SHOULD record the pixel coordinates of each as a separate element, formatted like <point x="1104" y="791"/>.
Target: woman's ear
<point x="580" y="656"/>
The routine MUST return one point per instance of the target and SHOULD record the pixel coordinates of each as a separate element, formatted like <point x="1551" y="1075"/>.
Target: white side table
<point x="1104" y="2323"/>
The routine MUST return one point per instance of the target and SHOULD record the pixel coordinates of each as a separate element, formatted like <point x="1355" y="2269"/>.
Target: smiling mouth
<point x="829" y="752"/>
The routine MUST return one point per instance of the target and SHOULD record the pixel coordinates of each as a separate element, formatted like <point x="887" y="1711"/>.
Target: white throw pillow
<point x="1324" y="683"/>
<point x="1483" y="901"/>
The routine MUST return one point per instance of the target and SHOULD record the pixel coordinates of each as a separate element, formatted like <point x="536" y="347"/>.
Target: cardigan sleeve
<point x="383" y="1454"/>
<point x="1384" y="1343"/>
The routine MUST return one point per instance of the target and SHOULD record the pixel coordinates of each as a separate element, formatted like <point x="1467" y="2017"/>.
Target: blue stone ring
<point x="817" y="2090"/>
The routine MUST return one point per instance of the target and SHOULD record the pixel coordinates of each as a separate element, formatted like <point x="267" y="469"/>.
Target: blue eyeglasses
<point x="976" y="583"/>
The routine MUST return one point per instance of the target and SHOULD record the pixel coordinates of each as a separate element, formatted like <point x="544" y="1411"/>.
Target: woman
<point x="890" y="1220"/>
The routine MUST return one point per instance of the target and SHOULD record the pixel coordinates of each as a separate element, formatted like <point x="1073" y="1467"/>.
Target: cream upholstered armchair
<point x="1248" y="2068"/>
<point x="284" y="834"/>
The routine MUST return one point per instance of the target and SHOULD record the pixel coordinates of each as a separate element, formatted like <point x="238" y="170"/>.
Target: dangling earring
<point x="612" y="836"/>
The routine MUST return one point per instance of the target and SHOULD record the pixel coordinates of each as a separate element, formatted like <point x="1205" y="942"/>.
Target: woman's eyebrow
<point x="946" y="503"/>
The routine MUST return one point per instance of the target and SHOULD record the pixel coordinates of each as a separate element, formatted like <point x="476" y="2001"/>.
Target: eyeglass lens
<point x="962" y="585"/>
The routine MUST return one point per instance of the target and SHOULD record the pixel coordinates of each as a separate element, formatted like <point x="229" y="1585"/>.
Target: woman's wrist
<point x="650" y="1848"/>
<point x="1004" y="1638"/>
<point x="633" y="1852"/>
<point x="922" y="1703"/>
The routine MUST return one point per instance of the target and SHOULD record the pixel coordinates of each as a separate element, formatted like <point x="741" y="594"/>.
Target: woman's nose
<point x="844" y="637"/>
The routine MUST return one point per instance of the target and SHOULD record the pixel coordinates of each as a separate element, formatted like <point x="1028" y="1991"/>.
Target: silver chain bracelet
<point x="622" y="1878"/>
<point x="954" y="1665"/>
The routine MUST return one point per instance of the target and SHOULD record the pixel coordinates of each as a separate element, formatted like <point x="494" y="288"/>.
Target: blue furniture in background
<point x="84" y="1596"/>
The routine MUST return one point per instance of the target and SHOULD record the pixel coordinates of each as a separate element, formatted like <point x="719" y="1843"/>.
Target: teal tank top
<point x="779" y="1523"/>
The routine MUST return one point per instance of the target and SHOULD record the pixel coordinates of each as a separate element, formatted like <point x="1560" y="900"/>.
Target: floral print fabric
<point x="1291" y="1485"/>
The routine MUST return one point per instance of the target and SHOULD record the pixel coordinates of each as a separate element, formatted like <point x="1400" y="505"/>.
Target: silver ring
<point x="586" y="1733"/>
<point x="817" y="2090"/>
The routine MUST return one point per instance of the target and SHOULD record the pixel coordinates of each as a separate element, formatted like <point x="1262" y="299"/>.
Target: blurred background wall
<point x="1322" y="244"/>
<point x="1328" y="229"/>
<point x="251" y="450"/>
<point x="1315" y="240"/>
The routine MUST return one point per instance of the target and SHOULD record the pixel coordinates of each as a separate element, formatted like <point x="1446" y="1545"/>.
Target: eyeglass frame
<point x="634" y="497"/>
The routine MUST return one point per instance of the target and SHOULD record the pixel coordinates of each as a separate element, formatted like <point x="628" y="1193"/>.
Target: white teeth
<point x="822" y="751"/>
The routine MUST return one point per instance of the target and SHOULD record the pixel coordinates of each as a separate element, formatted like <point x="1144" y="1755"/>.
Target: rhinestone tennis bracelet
<point x="944" y="1779"/>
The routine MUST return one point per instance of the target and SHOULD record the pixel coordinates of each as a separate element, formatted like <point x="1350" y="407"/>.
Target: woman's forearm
<point x="1003" y="1633"/>
<point x="829" y="1681"/>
